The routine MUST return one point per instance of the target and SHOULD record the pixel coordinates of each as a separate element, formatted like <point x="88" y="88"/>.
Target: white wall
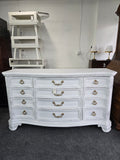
<point x="62" y="33"/>
<point x="107" y="26"/>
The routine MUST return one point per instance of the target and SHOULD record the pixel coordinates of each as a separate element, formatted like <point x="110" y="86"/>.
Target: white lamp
<point x="109" y="49"/>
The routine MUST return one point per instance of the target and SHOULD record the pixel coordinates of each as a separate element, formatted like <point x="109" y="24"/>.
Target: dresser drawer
<point x="60" y="104"/>
<point x="56" y="116"/>
<point x="23" y="102"/>
<point x="22" y="113"/>
<point x="21" y="92"/>
<point x="96" y="82"/>
<point x="58" y="83"/>
<point x="96" y="92"/>
<point x="20" y="82"/>
<point x="91" y="114"/>
<point x="95" y="102"/>
<point x="58" y="93"/>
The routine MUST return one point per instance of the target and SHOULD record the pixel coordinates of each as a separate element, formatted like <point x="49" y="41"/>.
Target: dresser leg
<point x="12" y="125"/>
<point x="106" y="127"/>
<point x="99" y="125"/>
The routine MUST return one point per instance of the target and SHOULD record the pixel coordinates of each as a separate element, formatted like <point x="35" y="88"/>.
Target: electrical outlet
<point x="79" y="53"/>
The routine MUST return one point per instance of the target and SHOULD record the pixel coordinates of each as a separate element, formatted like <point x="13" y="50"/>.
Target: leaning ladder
<point x="18" y="20"/>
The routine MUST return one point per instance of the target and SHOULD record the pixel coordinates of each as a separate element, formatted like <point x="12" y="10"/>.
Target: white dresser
<point x="60" y="97"/>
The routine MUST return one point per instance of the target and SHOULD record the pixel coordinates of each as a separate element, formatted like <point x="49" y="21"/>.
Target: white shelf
<point x="43" y="15"/>
<point x="27" y="66"/>
<point x="27" y="18"/>
<point x="25" y="37"/>
<point x="26" y="62"/>
<point x="24" y="23"/>
<point x="25" y="46"/>
<point x="17" y="19"/>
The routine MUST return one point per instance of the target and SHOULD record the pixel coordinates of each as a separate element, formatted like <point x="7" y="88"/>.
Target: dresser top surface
<point x="61" y="72"/>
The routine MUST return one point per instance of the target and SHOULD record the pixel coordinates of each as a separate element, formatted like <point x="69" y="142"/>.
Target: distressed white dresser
<point x="60" y="97"/>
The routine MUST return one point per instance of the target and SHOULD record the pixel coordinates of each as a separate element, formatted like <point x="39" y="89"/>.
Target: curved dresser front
<point x="60" y="97"/>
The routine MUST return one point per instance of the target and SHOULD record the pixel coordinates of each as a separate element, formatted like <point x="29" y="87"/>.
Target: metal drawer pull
<point x="22" y="92"/>
<point x="58" y="104"/>
<point x="21" y="82"/>
<point x="62" y="114"/>
<point x="55" y="94"/>
<point x="95" y="82"/>
<point x="23" y="101"/>
<point x="94" y="92"/>
<point x="94" y="102"/>
<point x="93" y="114"/>
<point x="57" y="84"/>
<point x="24" y="112"/>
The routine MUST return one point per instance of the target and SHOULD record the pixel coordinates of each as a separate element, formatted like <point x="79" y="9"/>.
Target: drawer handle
<point x="95" y="82"/>
<point x="22" y="92"/>
<point x="21" y="82"/>
<point x="57" y="105"/>
<point x="93" y="114"/>
<point x="24" y="112"/>
<point x="55" y="94"/>
<point x="94" y="102"/>
<point x="23" y="101"/>
<point x="57" y="84"/>
<point x="62" y="114"/>
<point x="94" y="92"/>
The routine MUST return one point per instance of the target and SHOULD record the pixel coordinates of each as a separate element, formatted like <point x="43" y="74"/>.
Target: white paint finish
<point x="56" y="82"/>
<point x="95" y="102"/>
<point x="88" y="114"/>
<point x="96" y="92"/>
<point x="51" y="107"/>
<point x="58" y="93"/>
<point x="60" y="33"/>
<point x="59" y="72"/>
<point x="16" y="92"/>
<point x="26" y="63"/>
<point x="18" y="21"/>
<point x="23" y="82"/>
<point x="72" y="115"/>
<point x="95" y="82"/>
<point x="21" y="102"/>
<point x="22" y="17"/>
<point x="18" y="113"/>
<point x="58" y="104"/>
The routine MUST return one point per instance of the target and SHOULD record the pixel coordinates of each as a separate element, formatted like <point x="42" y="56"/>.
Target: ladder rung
<point x="24" y="37"/>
